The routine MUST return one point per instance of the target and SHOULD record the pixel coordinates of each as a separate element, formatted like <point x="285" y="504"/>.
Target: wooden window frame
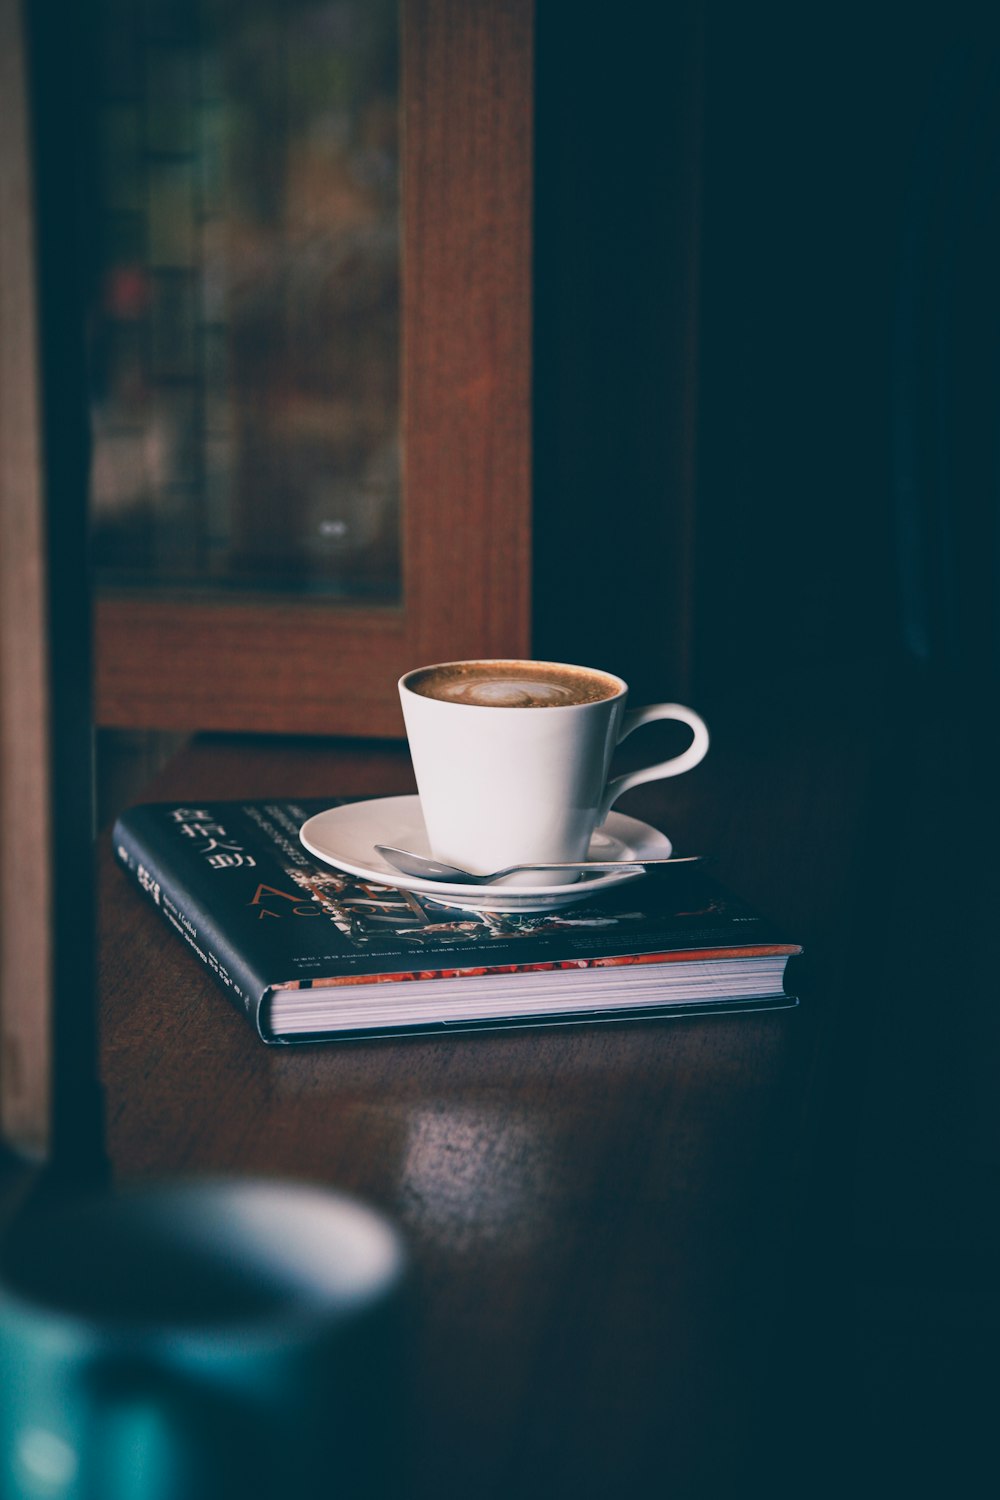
<point x="186" y="662"/>
<point x="50" y="1105"/>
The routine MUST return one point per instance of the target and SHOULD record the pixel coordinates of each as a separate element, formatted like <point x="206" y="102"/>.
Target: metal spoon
<point x="435" y="869"/>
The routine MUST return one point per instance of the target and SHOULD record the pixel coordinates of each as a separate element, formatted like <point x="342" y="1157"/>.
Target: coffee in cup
<point x="512" y="758"/>
<point x="523" y="684"/>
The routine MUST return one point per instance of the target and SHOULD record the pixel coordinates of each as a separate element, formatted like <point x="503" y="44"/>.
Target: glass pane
<point x="245" y="319"/>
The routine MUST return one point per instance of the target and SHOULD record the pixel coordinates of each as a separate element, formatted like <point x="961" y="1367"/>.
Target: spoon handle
<point x="429" y="869"/>
<point x="607" y="864"/>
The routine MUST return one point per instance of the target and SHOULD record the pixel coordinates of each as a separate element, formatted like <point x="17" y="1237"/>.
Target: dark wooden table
<point x="640" y="1262"/>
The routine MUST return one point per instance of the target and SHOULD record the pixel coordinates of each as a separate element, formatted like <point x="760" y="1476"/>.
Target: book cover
<point x="308" y="952"/>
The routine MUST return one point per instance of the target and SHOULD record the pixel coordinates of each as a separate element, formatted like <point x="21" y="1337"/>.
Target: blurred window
<point x="245" y="297"/>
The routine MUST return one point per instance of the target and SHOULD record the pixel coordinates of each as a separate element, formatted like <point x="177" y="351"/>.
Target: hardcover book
<point x="308" y="952"/>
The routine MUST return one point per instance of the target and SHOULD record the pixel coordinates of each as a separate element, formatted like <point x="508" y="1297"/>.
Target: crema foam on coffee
<point x="513" y="684"/>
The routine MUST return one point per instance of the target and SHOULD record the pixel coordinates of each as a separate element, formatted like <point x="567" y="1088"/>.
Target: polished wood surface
<point x="668" y="1258"/>
<point x="606" y="1222"/>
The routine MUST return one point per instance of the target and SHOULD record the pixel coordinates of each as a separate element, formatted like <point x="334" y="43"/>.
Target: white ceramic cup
<point x="510" y="785"/>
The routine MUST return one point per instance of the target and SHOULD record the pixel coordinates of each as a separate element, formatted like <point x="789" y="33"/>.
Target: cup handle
<point x="685" y="761"/>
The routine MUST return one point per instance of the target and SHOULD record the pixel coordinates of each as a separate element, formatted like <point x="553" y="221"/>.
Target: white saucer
<point x="346" y="837"/>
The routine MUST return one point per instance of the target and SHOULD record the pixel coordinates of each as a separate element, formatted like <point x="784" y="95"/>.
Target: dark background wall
<point x="766" y="325"/>
<point x="617" y="223"/>
<point x="827" y="199"/>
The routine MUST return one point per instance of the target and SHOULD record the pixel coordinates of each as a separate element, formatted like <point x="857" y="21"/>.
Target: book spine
<point x="180" y="908"/>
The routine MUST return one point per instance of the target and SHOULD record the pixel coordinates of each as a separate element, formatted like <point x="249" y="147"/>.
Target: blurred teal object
<point x="199" y="1341"/>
